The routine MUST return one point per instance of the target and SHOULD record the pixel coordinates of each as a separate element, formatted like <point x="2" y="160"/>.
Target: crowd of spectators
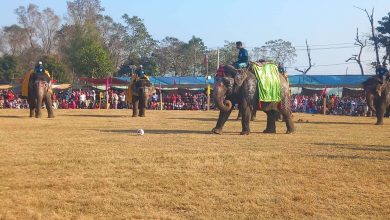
<point x="116" y="99"/>
<point x="354" y="106"/>
<point x="93" y="99"/>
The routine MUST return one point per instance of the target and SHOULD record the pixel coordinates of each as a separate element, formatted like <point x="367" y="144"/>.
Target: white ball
<point x="140" y="132"/>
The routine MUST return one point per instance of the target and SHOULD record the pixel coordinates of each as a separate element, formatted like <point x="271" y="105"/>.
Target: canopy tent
<point x="188" y="82"/>
<point x="330" y="81"/>
<point x="191" y="82"/>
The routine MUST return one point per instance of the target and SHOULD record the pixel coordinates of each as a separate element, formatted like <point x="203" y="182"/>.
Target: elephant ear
<point x="238" y="75"/>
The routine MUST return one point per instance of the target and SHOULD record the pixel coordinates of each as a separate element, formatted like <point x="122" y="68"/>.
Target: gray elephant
<point x="142" y="90"/>
<point x="242" y="89"/>
<point x="377" y="97"/>
<point x="39" y="92"/>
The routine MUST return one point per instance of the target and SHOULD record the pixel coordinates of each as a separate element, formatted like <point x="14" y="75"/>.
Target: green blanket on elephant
<point x="268" y="82"/>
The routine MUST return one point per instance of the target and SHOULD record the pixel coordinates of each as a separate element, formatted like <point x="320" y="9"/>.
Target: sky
<point x="325" y="24"/>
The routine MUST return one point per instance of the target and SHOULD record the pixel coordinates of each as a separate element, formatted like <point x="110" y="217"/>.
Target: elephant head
<point x="144" y="89"/>
<point x="227" y="86"/>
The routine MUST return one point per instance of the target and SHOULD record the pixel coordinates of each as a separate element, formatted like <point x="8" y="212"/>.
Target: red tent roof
<point x="112" y="81"/>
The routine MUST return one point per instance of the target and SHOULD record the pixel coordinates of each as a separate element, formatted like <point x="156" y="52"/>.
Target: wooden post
<point x="208" y="97"/>
<point x="161" y="102"/>
<point x="324" y="105"/>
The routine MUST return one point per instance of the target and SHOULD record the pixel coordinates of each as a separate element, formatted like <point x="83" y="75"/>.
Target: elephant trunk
<point x="370" y="100"/>
<point x="219" y="97"/>
<point x="40" y="92"/>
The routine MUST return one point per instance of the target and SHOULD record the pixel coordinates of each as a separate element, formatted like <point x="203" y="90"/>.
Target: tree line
<point x="88" y="43"/>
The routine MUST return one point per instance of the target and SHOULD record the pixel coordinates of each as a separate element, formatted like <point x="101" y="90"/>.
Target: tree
<point x="281" y="51"/>
<point x="170" y="56"/>
<point x="384" y="37"/>
<point x="374" y="38"/>
<point x="305" y="71"/>
<point x="47" y="26"/>
<point x="194" y="52"/>
<point x="29" y="18"/>
<point x="15" y="40"/>
<point x="139" y="42"/>
<point x="81" y="12"/>
<point x="228" y="53"/>
<point x="357" y="57"/>
<point x="93" y="61"/>
<point x="114" y="37"/>
<point x="56" y="69"/>
<point x="8" y="68"/>
<point x="259" y="53"/>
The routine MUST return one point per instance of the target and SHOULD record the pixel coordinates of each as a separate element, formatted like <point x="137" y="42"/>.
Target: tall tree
<point x="93" y="61"/>
<point x="194" y="52"/>
<point x="15" y="40"/>
<point x="259" y="53"/>
<point x="114" y="37"/>
<point x="56" y="69"/>
<point x="374" y="38"/>
<point x="47" y="25"/>
<point x="81" y="12"/>
<point x="170" y="56"/>
<point x="281" y="51"/>
<point x="228" y="53"/>
<point x="384" y="37"/>
<point x="139" y="42"/>
<point x="8" y="71"/>
<point x="29" y="18"/>
<point x="305" y="71"/>
<point x="357" y="57"/>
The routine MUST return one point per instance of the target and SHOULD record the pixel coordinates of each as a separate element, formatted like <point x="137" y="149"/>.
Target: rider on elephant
<point x="38" y="70"/>
<point x="243" y="58"/>
<point x="140" y="72"/>
<point x="382" y="72"/>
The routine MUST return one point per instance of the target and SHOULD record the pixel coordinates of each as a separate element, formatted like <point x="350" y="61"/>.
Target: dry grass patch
<point x="90" y="164"/>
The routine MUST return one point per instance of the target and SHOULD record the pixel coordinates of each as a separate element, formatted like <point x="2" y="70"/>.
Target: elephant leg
<point x="141" y="106"/>
<point x="135" y="106"/>
<point x="222" y="118"/>
<point x="287" y="118"/>
<point x="49" y="106"/>
<point x="271" y="119"/>
<point x="380" y="113"/>
<point x="253" y="115"/>
<point x="38" y="112"/>
<point x="246" y="116"/>
<point x="239" y="115"/>
<point x="31" y="104"/>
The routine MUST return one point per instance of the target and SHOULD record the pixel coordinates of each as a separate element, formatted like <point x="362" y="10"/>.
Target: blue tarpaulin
<point x="313" y="81"/>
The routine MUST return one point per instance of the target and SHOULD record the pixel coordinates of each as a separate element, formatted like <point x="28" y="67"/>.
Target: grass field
<point x="90" y="164"/>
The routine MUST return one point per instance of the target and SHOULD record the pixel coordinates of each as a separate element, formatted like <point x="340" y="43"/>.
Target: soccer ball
<point x="140" y="132"/>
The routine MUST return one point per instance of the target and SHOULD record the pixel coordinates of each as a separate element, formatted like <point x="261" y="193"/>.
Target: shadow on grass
<point x="343" y="157"/>
<point x="97" y="116"/>
<point x="333" y="123"/>
<point x="154" y="131"/>
<point x="14" y="116"/>
<point x="356" y="147"/>
<point x="211" y="119"/>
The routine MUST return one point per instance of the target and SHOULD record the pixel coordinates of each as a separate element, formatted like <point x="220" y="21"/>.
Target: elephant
<point x="242" y="89"/>
<point x="142" y="90"/>
<point x="377" y="97"/>
<point x="39" y="91"/>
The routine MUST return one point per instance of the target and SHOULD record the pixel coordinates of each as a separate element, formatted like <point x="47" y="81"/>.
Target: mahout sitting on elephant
<point x="141" y="89"/>
<point x="241" y="86"/>
<point x="39" y="91"/>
